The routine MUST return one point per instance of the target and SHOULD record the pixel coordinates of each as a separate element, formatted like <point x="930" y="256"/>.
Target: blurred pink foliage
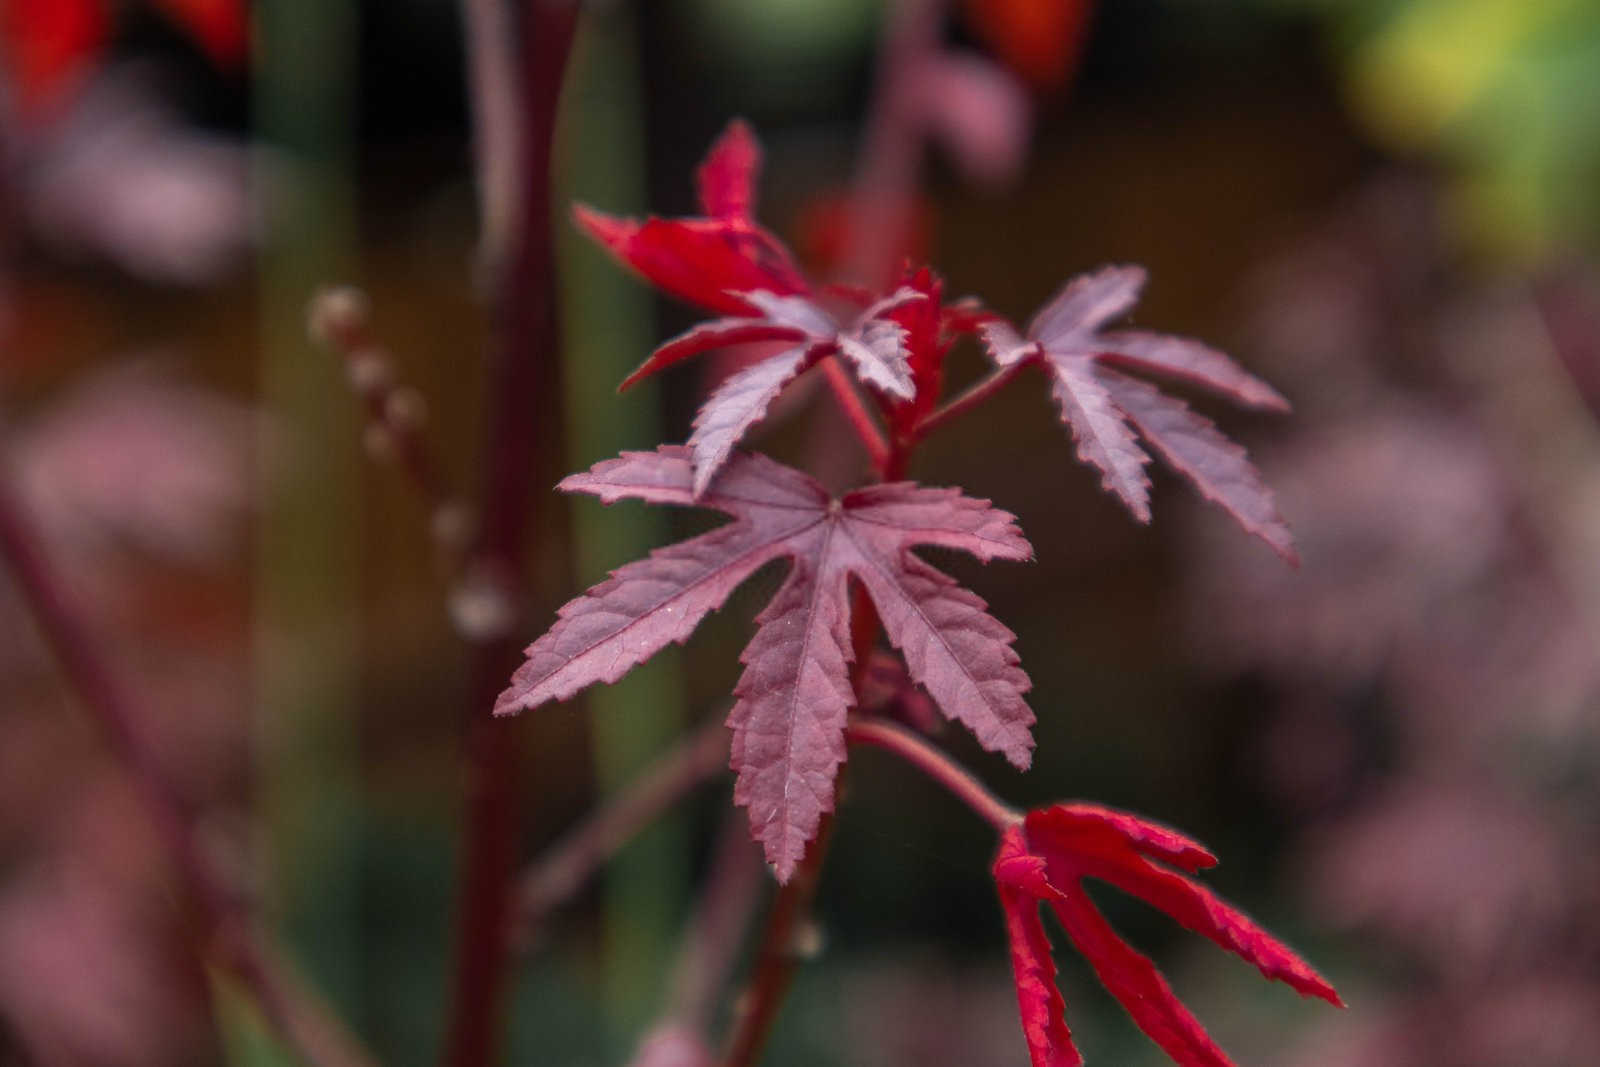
<point x="120" y="177"/>
<point x="1436" y="662"/>
<point x="140" y="484"/>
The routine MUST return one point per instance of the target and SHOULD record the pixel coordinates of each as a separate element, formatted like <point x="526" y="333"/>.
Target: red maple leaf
<point x="1104" y="407"/>
<point x="709" y="260"/>
<point x="789" y="716"/>
<point x="1046" y="859"/>
<point x="873" y="346"/>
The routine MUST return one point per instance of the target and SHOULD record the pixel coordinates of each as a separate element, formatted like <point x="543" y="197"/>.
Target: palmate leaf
<point x="789" y="716"/>
<point x="1108" y="411"/>
<point x="872" y="345"/>
<point x="1046" y="859"/>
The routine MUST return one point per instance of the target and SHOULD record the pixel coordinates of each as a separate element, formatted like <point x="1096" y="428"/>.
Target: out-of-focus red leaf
<point x="825" y="231"/>
<point x="48" y="43"/>
<point x="1039" y="39"/>
<point x="788" y="722"/>
<point x="220" y="26"/>
<point x="1046" y="859"/>
<point x="1103" y="407"/>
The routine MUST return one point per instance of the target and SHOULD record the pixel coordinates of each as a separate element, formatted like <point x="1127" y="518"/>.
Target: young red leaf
<point x="1046" y="859"/>
<point x="726" y="178"/>
<point x="789" y="717"/>
<point x="1104" y="407"/>
<point x="872" y="345"/>
<point x="707" y="261"/>
<point x="1020" y="879"/>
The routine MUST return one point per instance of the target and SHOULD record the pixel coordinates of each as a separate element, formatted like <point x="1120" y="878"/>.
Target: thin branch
<point x="396" y="414"/>
<point x="231" y="934"/>
<point x="855" y="411"/>
<point x="936" y="764"/>
<point x="522" y="365"/>
<point x="969" y="399"/>
<point x="557" y="875"/>
<point x="492" y="77"/>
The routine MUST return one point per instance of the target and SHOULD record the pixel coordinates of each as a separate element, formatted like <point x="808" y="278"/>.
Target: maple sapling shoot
<point x="854" y="575"/>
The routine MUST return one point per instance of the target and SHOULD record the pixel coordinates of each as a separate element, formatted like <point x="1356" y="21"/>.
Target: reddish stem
<point x="855" y="411"/>
<point x="971" y="398"/>
<point x="230" y="933"/>
<point x="937" y="765"/>
<point x="521" y="365"/>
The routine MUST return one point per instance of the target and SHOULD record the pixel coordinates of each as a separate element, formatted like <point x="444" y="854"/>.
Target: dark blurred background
<point x="1387" y="208"/>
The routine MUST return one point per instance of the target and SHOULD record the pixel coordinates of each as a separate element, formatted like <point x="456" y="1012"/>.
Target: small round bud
<point x="405" y="409"/>
<point x="369" y="371"/>
<point x="336" y="313"/>
<point x="451" y="525"/>
<point x="809" y="941"/>
<point x="378" y="442"/>
<point x="481" y="606"/>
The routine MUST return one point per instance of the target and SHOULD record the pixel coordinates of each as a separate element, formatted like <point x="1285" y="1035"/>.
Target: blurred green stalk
<point x="607" y="323"/>
<point x="308" y="562"/>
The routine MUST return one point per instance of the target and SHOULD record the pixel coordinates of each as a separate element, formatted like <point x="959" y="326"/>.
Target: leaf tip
<point x="609" y="230"/>
<point x="509" y="702"/>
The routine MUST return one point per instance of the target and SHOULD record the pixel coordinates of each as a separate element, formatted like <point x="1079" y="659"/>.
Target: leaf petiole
<point x="971" y="398"/>
<point x="937" y="765"/>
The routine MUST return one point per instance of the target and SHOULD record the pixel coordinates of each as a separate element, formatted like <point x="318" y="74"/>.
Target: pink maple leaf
<point x="788" y="720"/>
<point x="707" y="260"/>
<point x="872" y="345"/>
<point x="1046" y="859"/>
<point x="1107" y="410"/>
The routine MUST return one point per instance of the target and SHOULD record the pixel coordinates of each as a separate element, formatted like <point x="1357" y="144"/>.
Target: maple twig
<point x="855" y="411"/>
<point x="231" y="934"/>
<point x="567" y="865"/>
<point x="937" y="765"/>
<point x="396" y="414"/>
<point x="521" y="364"/>
<point x="972" y="397"/>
